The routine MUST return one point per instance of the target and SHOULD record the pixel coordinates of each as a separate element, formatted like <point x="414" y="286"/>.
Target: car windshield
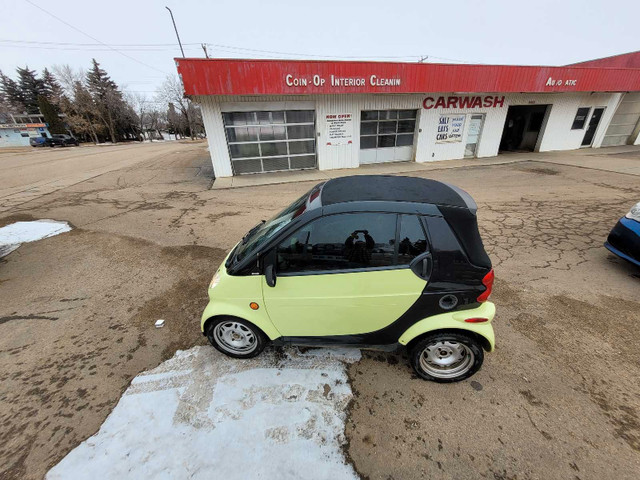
<point x="259" y="234"/>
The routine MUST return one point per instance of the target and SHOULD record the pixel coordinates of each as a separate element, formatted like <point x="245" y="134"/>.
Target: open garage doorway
<point x="522" y="128"/>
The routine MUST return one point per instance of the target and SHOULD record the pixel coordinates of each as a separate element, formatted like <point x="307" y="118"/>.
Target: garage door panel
<point x="614" y="141"/>
<point x="302" y="162"/>
<point x="624" y="121"/>
<point x="404" y="154"/>
<point x="368" y="156"/>
<point x="629" y="108"/>
<point x="270" y="141"/>
<point x="385" y="155"/>
<point x="387" y="135"/>
<point x="247" y="166"/>
<point x="620" y="129"/>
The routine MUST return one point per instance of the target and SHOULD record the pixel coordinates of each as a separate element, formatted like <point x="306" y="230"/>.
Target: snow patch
<point x="15" y="234"/>
<point x="204" y="415"/>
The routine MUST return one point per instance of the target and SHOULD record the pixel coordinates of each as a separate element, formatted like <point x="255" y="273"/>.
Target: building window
<point x="271" y="141"/>
<point x="581" y="118"/>
<point x="387" y="128"/>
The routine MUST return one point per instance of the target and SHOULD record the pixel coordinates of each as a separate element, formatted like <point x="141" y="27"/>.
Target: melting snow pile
<point x="203" y="415"/>
<point x="17" y="233"/>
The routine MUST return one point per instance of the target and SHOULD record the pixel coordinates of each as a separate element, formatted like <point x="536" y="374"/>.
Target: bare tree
<point x="172" y="92"/>
<point x="156" y="122"/>
<point x="68" y="77"/>
<point x="140" y="104"/>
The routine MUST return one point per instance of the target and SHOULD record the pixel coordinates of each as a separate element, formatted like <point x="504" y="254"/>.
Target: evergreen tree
<point x="107" y="97"/>
<point x="30" y="86"/>
<point x="50" y="114"/>
<point x="51" y="88"/>
<point x="12" y="94"/>
<point x="99" y="83"/>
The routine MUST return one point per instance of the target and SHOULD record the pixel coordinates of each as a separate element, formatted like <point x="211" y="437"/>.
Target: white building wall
<point x="556" y="133"/>
<point x="347" y="156"/>
<point x="214" y="126"/>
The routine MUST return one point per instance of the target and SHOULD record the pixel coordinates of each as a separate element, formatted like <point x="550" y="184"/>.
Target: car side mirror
<point x="270" y="275"/>
<point x="422" y="265"/>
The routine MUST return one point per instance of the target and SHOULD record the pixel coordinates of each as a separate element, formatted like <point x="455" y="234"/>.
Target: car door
<point x="345" y="274"/>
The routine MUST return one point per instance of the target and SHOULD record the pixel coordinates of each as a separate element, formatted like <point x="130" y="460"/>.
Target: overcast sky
<point x="538" y="32"/>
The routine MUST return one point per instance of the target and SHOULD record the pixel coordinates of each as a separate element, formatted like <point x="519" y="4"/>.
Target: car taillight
<point x="487" y="281"/>
<point x="476" y="320"/>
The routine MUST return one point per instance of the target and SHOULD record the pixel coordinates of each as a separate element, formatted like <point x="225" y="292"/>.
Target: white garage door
<point x="271" y="141"/>
<point x="624" y="121"/>
<point x="387" y="135"/>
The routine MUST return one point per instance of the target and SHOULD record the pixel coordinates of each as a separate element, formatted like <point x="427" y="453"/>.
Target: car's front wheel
<point x="235" y="337"/>
<point x="446" y="357"/>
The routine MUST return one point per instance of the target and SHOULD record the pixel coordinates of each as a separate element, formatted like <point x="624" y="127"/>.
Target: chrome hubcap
<point x="446" y="359"/>
<point x="235" y="337"/>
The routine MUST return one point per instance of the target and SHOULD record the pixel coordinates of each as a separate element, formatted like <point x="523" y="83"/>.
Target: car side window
<point x="412" y="240"/>
<point x="347" y="241"/>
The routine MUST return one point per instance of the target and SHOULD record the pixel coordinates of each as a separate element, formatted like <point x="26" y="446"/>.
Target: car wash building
<point x="18" y="130"/>
<point x="277" y="115"/>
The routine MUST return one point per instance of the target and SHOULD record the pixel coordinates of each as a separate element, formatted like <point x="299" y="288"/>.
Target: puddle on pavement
<point x="15" y="234"/>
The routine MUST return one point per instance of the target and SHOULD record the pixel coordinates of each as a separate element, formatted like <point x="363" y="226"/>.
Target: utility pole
<point x="204" y="47"/>
<point x="176" y="29"/>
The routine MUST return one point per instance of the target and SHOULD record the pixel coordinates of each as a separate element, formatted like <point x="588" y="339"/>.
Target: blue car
<point x="624" y="239"/>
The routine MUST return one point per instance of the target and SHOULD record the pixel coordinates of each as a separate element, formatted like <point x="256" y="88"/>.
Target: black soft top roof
<point x="363" y="188"/>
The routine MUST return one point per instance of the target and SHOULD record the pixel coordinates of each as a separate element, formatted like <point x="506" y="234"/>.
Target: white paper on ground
<point x="203" y="415"/>
<point x="11" y="236"/>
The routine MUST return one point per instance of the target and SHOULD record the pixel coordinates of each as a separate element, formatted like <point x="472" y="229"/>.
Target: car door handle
<point x="421" y="265"/>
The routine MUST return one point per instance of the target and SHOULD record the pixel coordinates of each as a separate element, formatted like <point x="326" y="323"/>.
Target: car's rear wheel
<point x="235" y="337"/>
<point x="446" y="357"/>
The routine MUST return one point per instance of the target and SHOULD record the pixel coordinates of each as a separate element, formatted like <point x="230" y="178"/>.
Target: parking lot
<point x="559" y="398"/>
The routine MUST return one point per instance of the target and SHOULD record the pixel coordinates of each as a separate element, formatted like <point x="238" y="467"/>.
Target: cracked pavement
<point x="559" y="398"/>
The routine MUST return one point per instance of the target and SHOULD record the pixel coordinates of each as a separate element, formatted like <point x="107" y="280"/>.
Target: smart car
<point x="363" y="260"/>
<point x="624" y="238"/>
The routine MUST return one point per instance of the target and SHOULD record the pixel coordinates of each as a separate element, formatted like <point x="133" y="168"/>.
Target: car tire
<point x="446" y="357"/>
<point x="235" y="337"/>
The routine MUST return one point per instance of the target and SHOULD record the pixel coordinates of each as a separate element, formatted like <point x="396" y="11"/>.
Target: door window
<point x="350" y="241"/>
<point x="581" y="118"/>
<point x="473" y="135"/>
<point x="593" y="126"/>
<point x="412" y="240"/>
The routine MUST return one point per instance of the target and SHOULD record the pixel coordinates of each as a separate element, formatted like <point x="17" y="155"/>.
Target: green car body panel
<point x="456" y="321"/>
<point x="340" y="303"/>
<point x="335" y="304"/>
<point x="232" y="296"/>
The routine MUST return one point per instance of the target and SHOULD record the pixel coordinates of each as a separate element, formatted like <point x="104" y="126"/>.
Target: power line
<point x="148" y="47"/>
<point x="83" y="49"/>
<point x="93" y="38"/>
<point x="231" y="47"/>
<point x="95" y="44"/>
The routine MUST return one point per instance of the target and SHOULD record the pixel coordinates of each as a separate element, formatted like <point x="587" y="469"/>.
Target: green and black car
<point x="363" y="260"/>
